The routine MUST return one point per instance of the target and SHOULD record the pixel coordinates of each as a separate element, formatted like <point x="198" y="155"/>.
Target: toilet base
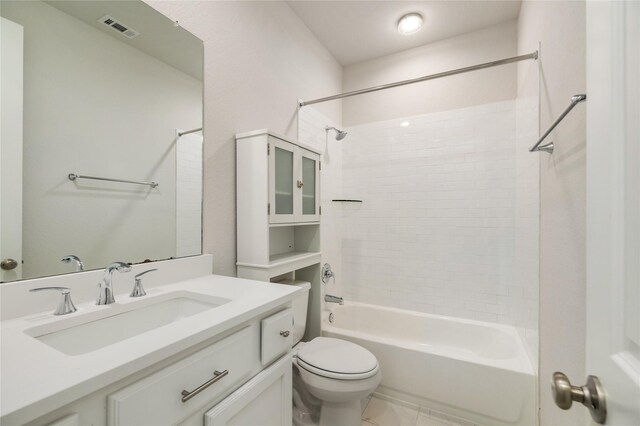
<point x="341" y="413"/>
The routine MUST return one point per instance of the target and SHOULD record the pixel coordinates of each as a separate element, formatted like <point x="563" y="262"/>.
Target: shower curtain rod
<point x="533" y="55"/>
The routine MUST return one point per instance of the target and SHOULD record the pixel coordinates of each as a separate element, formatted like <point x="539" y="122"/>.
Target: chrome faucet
<point x="105" y="292"/>
<point x="72" y="258"/>
<point x="333" y="299"/>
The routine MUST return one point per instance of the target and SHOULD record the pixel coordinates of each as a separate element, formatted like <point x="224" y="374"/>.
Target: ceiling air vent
<point x="119" y="26"/>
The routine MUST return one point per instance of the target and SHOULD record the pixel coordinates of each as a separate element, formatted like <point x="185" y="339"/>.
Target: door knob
<point x="590" y="395"/>
<point x="8" y="264"/>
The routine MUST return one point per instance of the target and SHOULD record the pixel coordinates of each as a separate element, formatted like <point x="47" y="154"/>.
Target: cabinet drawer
<point x="277" y="336"/>
<point x="157" y="399"/>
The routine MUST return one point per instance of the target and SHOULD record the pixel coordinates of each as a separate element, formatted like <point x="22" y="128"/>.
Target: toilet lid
<point x="337" y="356"/>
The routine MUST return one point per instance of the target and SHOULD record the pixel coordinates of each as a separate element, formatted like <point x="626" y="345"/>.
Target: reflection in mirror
<point x="97" y="89"/>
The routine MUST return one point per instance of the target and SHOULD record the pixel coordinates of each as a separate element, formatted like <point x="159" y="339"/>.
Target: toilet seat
<point x="337" y="359"/>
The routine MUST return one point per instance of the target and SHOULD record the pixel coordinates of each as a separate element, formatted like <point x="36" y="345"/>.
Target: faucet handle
<point x="145" y="272"/>
<point x="138" y="290"/>
<point x="327" y="273"/>
<point x="65" y="305"/>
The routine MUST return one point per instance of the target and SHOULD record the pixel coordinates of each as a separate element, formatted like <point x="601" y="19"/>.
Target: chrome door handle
<point x="8" y="264"/>
<point x="590" y="395"/>
<point x="217" y="375"/>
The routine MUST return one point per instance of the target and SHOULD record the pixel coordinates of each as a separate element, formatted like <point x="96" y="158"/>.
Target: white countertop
<point x="37" y="379"/>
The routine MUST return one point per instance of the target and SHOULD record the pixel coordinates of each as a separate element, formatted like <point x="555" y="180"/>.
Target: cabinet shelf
<point x="282" y="225"/>
<point x="284" y="262"/>
<point x="294" y="256"/>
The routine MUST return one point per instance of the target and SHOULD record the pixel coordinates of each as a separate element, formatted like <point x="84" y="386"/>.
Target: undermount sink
<point x="132" y="320"/>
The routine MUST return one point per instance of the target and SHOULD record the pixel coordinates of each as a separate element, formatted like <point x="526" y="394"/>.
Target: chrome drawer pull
<point x="217" y="375"/>
<point x="284" y="333"/>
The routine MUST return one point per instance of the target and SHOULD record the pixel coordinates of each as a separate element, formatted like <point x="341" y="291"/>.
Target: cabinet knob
<point x="284" y="333"/>
<point x="9" y="264"/>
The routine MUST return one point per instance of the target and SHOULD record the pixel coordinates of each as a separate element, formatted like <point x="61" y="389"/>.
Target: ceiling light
<point x="410" y="23"/>
<point x="405" y="124"/>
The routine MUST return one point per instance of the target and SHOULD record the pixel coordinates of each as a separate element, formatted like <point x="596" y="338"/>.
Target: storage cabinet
<point x="278" y="196"/>
<point x="278" y="213"/>
<point x="255" y="390"/>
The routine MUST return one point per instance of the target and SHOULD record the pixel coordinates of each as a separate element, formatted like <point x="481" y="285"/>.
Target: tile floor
<point x="381" y="411"/>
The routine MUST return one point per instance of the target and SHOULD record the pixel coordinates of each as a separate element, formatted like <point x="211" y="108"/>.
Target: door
<point x="263" y="401"/>
<point x="309" y="187"/>
<point x="11" y="150"/>
<point x="613" y="205"/>
<point x="283" y="170"/>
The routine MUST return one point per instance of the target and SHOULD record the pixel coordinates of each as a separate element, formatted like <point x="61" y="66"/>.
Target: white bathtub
<point x="476" y="370"/>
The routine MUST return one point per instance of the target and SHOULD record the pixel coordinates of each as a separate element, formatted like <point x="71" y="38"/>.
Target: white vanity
<point x="209" y="350"/>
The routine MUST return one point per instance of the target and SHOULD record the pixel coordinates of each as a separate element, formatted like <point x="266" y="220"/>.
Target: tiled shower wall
<point x="448" y="222"/>
<point x="436" y="231"/>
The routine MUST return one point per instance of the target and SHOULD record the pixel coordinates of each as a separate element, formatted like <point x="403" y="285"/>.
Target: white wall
<point x="259" y="59"/>
<point x="475" y="88"/>
<point x="188" y="194"/>
<point x="98" y="107"/>
<point x="560" y="28"/>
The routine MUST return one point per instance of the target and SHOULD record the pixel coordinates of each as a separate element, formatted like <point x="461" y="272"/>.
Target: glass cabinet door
<point x="282" y="177"/>
<point x="310" y="186"/>
<point x="284" y="181"/>
<point x="294" y="183"/>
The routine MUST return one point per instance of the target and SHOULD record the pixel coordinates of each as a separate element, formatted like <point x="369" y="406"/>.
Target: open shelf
<point x="284" y="225"/>
<point x="294" y="257"/>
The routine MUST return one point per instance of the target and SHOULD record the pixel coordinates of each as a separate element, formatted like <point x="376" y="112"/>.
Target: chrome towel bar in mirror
<point x="73" y="177"/>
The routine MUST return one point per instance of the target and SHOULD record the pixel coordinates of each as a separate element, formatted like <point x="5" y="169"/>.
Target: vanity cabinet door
<point x="263" y="401"/>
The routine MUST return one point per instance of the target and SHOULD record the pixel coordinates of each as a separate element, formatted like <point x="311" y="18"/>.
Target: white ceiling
<point x="158" y="36"/>
<point x="355" y="31"/>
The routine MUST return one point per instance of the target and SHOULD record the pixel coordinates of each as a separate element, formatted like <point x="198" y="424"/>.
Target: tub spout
<point x="333" y="299"/>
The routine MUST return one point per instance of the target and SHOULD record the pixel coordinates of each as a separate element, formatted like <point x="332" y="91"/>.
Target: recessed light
<point x="410" y="23"/>
<point x="405" y="124"/>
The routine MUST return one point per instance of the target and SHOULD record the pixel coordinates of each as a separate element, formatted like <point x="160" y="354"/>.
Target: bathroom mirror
<point x="97" y="89"/>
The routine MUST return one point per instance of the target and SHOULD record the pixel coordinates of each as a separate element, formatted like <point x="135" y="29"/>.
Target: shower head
<point x="340" y="134"/>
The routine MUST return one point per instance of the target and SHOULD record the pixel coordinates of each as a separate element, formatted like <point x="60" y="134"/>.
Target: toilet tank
<point x="300" y="304"/>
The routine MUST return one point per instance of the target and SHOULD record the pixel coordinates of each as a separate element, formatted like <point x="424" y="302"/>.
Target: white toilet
<point x="336" y="372"/>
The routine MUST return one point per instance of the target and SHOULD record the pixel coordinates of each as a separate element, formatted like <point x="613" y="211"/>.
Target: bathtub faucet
<point x="333" y="299"/>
